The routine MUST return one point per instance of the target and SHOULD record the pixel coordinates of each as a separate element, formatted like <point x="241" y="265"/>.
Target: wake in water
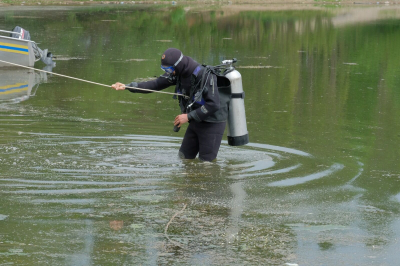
<point x="136" y="183"/>
<point x="110" y="161"/>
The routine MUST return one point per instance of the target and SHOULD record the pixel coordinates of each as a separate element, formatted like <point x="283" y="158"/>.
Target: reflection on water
<point x="17" y="85"/>
<point x="85" y="256"/>
<point x="232" y="232"/>
<point x="90" y="176"/>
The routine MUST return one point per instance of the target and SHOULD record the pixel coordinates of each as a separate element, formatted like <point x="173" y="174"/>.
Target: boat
<point x="17" y="47"/>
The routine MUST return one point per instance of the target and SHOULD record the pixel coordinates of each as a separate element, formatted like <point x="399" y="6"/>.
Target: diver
<point x="204" y="108"/>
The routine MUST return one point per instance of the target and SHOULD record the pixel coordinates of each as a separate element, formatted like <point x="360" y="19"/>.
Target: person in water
<point x="205" y="108"/>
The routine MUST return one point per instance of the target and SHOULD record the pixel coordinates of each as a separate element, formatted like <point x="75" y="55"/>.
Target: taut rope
<point x="104" y="85"/>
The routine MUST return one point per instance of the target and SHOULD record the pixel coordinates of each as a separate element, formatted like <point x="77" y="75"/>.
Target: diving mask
<point x="171" y="69"/>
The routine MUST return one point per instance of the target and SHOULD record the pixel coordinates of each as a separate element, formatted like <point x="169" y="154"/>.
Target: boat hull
<point x="16" y="51"/>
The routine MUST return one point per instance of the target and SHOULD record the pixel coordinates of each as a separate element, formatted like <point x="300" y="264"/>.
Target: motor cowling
<point x="21" y="33"/>
<point x="237" y="126"/>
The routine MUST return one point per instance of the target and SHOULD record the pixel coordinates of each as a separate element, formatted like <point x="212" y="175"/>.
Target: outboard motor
<point x="21" y="34"/>
<point x="237" y="127"/>
<point x="44" y="55"/>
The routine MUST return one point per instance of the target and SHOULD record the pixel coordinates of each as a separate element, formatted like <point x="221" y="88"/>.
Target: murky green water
<point x="91" y="176"/>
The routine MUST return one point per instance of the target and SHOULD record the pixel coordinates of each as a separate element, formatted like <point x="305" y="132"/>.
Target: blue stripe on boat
<point x="13" y="48"/>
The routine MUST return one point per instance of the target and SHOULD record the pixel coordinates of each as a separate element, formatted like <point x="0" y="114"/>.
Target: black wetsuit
<point x="207" y="117"/>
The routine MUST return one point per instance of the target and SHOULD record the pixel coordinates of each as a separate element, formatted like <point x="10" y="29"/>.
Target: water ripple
<point x="307" y="178"/>
<point x="138" y="162"/>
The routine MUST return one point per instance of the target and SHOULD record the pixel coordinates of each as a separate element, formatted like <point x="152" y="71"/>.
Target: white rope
<point x="104" y="85"/>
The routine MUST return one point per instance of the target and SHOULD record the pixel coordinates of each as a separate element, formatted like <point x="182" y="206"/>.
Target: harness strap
<point x="197" y="70"/>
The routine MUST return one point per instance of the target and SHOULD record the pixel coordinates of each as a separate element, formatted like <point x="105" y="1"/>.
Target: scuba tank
<point x="229" y="83"/>
<point x="237" y="127"/>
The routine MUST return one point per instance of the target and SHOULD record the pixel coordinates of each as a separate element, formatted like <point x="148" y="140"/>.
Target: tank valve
<point x="229" y="62"/>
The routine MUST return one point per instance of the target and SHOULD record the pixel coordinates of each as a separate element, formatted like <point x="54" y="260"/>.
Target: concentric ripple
<point x="96" y="186"/>
<point x="56" y="164"/>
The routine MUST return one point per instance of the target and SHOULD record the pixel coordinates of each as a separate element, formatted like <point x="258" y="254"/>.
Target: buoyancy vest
<point x="198" y="89"/>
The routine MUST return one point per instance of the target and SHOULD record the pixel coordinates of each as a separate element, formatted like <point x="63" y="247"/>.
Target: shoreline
<point x="10" y="3"/>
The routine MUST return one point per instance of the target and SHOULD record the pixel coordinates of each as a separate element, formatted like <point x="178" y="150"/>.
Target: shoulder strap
<point x="202" y="81"/>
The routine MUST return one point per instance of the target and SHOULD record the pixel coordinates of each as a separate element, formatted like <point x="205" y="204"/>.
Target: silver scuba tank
<point x="237" y="127"/>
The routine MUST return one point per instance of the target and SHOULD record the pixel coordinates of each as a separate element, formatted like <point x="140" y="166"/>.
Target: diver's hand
<point x="118" y="86"/>
<point x="180" y="120"/>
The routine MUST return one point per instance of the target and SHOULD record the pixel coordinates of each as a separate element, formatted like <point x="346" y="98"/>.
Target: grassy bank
<point x="216" y="2"/>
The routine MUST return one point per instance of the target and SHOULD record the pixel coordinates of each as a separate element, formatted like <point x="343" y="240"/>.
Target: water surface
<point x="91" y="176"/>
